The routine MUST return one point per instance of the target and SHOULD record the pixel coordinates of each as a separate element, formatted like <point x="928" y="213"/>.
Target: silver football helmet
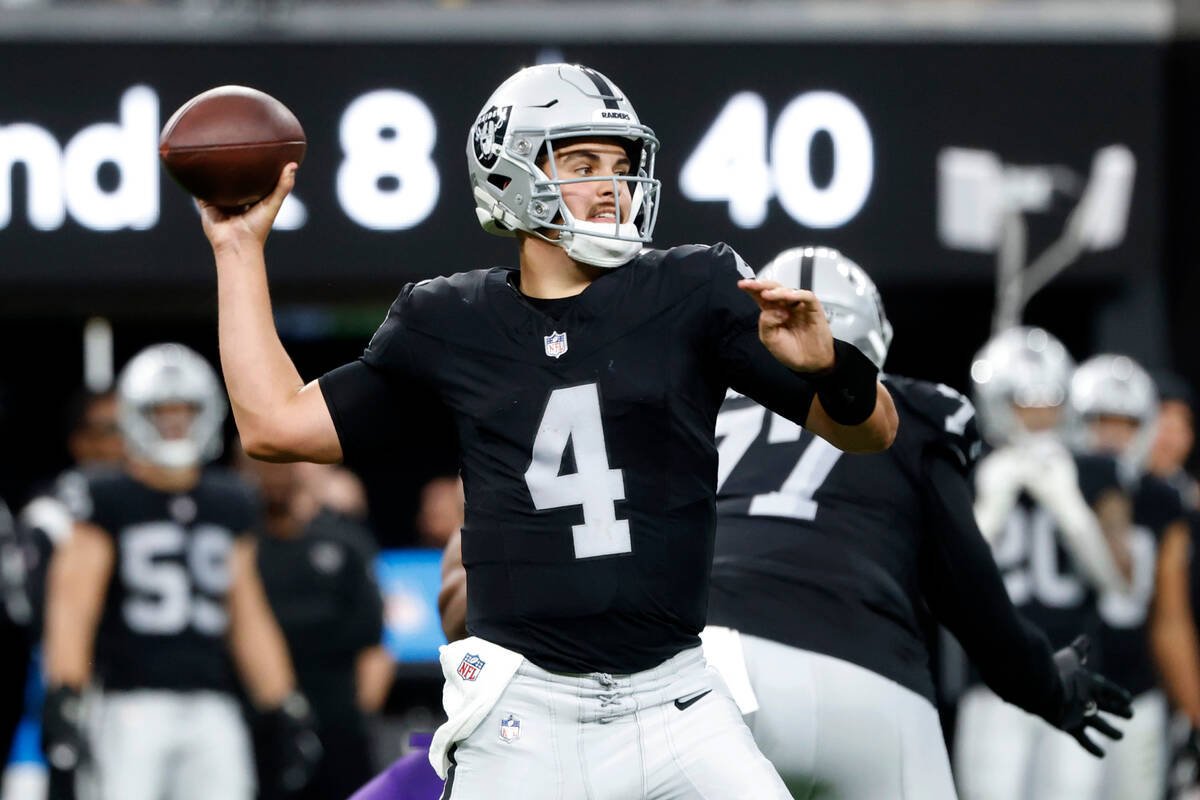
<point x="847" y="294"/>
<point x="1114" y="385"/>
<point x="170" y="373"/>
<point x="1024" y="367"/>
<point x="521" y="121"/>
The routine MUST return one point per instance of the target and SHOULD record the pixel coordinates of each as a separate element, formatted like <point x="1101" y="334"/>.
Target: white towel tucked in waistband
<point x="723" y="652"/>
<point x="476" y="673"/>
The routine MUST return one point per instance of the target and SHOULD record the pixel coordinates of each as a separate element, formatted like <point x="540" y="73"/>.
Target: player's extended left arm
<point x="963" y="586"/>
<point x="851" y="410"/>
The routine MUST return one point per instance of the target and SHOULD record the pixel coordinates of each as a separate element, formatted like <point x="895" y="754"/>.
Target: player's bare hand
<point x="228" y="229"/>
<point x="792" y="325"/>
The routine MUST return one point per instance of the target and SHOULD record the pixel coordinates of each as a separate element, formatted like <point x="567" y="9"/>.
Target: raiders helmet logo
<point x="489" y="135"/>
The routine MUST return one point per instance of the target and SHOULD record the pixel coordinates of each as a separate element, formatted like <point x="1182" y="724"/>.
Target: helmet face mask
<point x="1020" y="383"/>
<point x="531" y="114"/>
<point x="170" y="407"/>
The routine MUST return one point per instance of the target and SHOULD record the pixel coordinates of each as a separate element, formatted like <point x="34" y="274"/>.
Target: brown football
<point x="228" y="145"/>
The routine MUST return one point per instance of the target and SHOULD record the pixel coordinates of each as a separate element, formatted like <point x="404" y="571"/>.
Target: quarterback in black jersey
<point x="1058" y="524"/>
<point x="152" y="597"/>
<point x="1118" y="405"/>
<point x="584" y="386"/>
<point x="830" y="570"/>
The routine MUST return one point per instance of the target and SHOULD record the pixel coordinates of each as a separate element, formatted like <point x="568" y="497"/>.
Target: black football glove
<point x="63" y="740"/>
<point x="296" y="750"/>
<point x="1086" y="694"/>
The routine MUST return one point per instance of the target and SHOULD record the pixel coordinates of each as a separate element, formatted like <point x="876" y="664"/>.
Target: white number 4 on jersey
<point x="572" y="416"/>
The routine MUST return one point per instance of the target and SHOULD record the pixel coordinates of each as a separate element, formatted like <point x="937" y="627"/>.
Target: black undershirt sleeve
<point x="367" y="406"/>
<point x="966" y="593"/>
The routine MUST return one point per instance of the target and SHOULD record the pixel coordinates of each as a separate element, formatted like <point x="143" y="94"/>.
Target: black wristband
<point x="847" y="391"/>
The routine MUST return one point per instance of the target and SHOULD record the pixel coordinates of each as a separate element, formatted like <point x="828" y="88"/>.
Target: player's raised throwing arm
<point x="278" y="416"/>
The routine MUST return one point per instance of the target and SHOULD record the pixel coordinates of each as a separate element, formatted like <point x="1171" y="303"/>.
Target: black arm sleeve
<point x="966" y="593"/>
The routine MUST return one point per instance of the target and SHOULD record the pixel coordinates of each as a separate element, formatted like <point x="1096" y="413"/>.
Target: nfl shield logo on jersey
<point x="510" y="728"/>
<point x="556" y="344"/>
<point x="469" y="667"/>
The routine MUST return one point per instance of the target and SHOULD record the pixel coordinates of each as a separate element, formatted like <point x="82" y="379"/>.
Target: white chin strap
<point x="583" y="245"/>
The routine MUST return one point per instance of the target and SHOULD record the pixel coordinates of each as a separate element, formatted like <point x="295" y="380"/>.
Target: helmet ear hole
<point x="499" y="181"/>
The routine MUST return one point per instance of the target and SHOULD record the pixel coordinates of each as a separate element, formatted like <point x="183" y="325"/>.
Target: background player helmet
<point x="847" y="294"/>
<point x="1114" y="385"/>
<point x="1025" y="367"/>
<point x="522" y="120"/>
<point x="170" y="373"/>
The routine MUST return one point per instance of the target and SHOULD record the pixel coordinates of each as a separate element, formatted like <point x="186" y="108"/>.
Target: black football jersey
<point x="820" y="549"/>
<point x="165" y="618"/>
<point x="1124" y="618"/>
<point x="1042" y="578"/>
<point x="586" y="440"/>
<point x="323" y="591"/>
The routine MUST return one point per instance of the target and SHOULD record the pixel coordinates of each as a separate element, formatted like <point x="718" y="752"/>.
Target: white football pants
<point x="162" y="745"/>
<point x="1004" y="753"/>
<point x="668" y="733"/>
<point x="834" y="730"/>
<point x="1136" y="767"/>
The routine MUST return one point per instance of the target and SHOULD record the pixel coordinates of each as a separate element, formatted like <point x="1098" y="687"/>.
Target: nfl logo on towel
<point x="470" y="666"/>
<point x="556" y="344"/>
<point x="510" y="728"/>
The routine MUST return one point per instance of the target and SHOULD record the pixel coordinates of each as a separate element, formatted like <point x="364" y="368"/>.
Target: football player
<point x="315" y="565"/>
<point x="1118" y="406"/>
<point x="584" y="386"/>
<point x="1176" y="436"/>
<point x="1058" y="524"/>
<point x="829" y="569"/>
<point x="149" y="598"/>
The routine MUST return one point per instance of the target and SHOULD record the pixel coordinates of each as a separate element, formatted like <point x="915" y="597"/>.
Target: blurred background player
<point x="1117" y="406"/>
<point x="825" y="562"/>
<point x="16" y="615"/>
<point x="1058" y="524"/>
<point x="95" y="446"/>
<point x="1175" y="437"/>
<point x="316" y="562"/>
<point x="149" y="598"/>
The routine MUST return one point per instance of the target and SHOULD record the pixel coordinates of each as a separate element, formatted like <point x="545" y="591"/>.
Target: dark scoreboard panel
<point x="905" y="155"/>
